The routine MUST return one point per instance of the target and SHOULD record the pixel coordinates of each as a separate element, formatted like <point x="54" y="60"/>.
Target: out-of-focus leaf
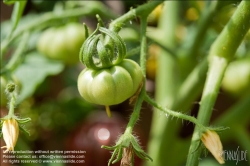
<point x="17" y="13"/>
<point x="33" y="72"/>
<point x="9" y="2"/>
<point x="6" y="26"/>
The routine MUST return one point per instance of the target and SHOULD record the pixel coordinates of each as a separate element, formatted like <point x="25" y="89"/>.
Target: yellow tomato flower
<point x="10" y="132"/>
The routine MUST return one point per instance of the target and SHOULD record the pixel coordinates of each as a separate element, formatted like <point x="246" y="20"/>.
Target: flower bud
<point x="212" y="142"/>
<point x="10" y="132"/>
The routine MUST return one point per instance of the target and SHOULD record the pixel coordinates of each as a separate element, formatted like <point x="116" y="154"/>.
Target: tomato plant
<point x="188" y="52"/>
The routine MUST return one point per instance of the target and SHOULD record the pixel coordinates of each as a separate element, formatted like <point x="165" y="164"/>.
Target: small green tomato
<point x="62" y="43"/>
<point x="112" y="85"/>
<point x="236" y="80"/>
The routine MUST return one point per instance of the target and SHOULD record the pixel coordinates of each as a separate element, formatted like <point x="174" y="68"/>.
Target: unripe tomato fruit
<point x="62" y="43"/>
<point x="112" y="85"/>
<point x="236" y="80"/>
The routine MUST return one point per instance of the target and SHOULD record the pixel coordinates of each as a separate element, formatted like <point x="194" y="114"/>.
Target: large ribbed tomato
<point x="112" y="85"/>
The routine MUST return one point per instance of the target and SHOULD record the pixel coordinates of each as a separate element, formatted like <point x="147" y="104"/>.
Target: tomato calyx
<point x="98" y="53"/>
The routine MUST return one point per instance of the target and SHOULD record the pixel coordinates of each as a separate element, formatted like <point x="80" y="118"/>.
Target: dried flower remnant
<point x="212" y="142"/>
<point x="127" y="157"/>
<point x="10" y="132"/>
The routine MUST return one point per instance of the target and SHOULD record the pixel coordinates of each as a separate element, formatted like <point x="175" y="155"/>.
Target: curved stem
<point x="222" y="51"/>
<point x="175" y="114"/>
<point x="142" y="10"/>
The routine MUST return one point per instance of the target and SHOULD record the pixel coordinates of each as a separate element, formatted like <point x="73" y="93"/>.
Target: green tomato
<point x="112" y="85"/>
<point x="62" y="43"/>
<point x="236" y="80"/>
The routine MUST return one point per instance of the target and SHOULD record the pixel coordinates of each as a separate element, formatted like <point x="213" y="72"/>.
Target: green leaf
<point x="24" y="130"/>
<point x="33" y="72"/>
<point x="17" y="13"/>
<point x="9" y="2"/>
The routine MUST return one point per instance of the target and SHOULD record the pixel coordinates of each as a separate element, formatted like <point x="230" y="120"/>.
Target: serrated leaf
<point x="33" y="72"/>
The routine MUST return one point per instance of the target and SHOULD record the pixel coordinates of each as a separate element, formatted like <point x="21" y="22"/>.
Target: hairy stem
<point x="12" y="104"/>
<point x="175" y="114"/>
<point x="222" y="51"/>
<point x="136" y="113"/>
<point x="143" y="10"/>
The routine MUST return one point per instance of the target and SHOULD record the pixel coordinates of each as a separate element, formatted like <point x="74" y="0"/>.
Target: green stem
<point x="143" y="10"/>
<point x="191" y="88"/>
<point x="92" y="8"/>
<point x="137" y="108"/>
<point x="136" y="113"/>
<point x="210" y="92"/>
<point x="13" y="63"/>
<point x="166" y="88"/>
<point x="196" y="42"/>
<point x="165" y="48"/>
<point x="143" y="56"/>
<point x="203" y="25"/>
<point x="175" y="114"/>
<point x="12" y="105"/>
<point x="222" y="51"/>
